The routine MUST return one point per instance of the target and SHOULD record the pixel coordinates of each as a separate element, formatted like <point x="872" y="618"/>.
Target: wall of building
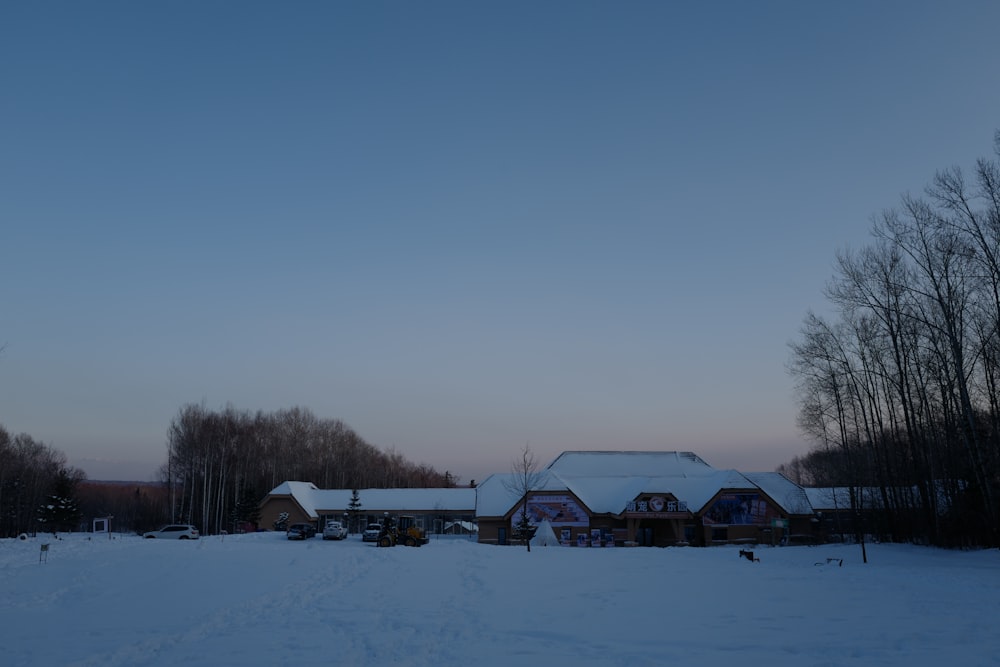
<point x="273" y="506"/>
<point x="432" y="522"/>
<point x="732" y="517"/>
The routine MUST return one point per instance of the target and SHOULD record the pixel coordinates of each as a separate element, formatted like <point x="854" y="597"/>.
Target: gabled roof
<point x="699" y="491"/>
<point x="605" y="481"/>
<point x="497" y="494"/>
<point x="300" y="492"/>
<point x="789" y="495"/>
<point x="838" y="498"/>
<point x="629" y="464"/>
<point x="829" y="498"/>
<point x="605" y="495"/>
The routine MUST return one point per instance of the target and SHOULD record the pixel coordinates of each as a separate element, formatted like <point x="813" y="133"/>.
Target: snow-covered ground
<point x="262" y="600"/>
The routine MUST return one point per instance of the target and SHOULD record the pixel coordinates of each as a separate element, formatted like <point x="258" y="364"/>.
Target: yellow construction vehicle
<point x="402" y="530"/>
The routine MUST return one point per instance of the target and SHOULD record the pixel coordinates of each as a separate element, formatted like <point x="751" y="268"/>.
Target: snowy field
<point x="262" y="600"/>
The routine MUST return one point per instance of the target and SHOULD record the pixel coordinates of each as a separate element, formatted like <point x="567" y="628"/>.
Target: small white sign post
<point x="103" y="525"/>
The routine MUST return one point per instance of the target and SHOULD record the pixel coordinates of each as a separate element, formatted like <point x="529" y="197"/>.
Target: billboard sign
<point x="740" y="509"/>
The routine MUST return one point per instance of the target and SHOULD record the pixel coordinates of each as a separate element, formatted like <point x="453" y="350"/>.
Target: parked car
<point x="178" y="531"/>
<point x="371" y="532"/>
<point x="334" y="530"/>
<point x="301" y="531"/>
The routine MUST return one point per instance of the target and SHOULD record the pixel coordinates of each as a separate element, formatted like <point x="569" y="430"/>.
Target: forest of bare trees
<point x="220" y="464"/>
<point x="899" y="389"/>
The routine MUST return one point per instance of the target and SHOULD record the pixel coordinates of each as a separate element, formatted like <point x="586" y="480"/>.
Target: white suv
<point x="174" y="532"/>
<point x="334" y="531"/>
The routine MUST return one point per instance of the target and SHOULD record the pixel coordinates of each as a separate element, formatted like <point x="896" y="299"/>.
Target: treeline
<point x="900" y="389"/>
<point x="36" y="487"/>
<point x="135" y="507"/>
<point x="220" y="464"/>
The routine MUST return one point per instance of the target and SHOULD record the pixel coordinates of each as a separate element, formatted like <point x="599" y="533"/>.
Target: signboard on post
<point x="103" y="525"/>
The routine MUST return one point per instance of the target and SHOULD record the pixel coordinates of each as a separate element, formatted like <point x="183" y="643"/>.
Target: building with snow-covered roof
<point x="588" y="498"/>
<point x="303" y="502"/>
<point x="645" y="498"/>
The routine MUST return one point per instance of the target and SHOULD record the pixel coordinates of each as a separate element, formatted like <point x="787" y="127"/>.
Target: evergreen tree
<point x="60" y="511"/>
<point x="246" y="510"/>
<point x="353" y="508"/>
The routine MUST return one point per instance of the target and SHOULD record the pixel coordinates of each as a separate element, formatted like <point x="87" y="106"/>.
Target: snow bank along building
<point x="600" y="498"/>
<point x="646" y="499"/>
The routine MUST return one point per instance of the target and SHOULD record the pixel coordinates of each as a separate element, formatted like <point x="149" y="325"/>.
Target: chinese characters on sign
<point x="656" y="505"/>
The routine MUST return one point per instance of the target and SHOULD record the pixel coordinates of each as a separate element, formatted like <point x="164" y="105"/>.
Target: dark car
<point x="301" y="531"/>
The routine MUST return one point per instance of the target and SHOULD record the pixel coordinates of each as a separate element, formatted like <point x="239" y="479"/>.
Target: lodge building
<point x="647" y="499"/>
<point x="437" y="511"/>
<point x="586" y="498"/>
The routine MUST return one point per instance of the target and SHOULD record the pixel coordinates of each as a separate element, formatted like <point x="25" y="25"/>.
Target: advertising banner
<point x="740" y="509"/>
<point x="560" y="509"/>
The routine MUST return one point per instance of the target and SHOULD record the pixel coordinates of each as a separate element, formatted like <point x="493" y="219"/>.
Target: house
<point x="303" y="502"/>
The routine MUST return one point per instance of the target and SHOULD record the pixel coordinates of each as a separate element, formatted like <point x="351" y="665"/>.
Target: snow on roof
<point x="497" y="494"/>
<point x="629" y="464"/>
<point x="605" y="495"/>
<point x="326" y="501"/>
<point x="828" y="498"/>
<point x="698" y="491"/>
<point x="606" y="481"/>
<point x="289" y="488"/>
<point x="834" y="498"/>
<point x="300" y="491"/>
<point x="790" y="496"/>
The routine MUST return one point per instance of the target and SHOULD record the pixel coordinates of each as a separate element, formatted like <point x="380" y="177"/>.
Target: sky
<point x="460" y="228"/>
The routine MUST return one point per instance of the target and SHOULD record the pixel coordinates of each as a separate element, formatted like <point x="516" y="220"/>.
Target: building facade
<point x="434" y="510"/>
<point x="646" y="499"/>
<point x="592" y="499"/>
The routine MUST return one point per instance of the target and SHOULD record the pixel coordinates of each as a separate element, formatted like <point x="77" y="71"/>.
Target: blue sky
<point x="458" y="227"/>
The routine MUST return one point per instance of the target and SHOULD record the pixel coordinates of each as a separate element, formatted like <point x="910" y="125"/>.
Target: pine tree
<point x="246" y="510"/>
<point x="60" y="511"/>
<point x="353" y="508"/>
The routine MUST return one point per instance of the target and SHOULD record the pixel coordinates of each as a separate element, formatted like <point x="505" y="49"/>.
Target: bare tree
<point x="217" y="460"/>
<point x="902" y="390"/>
<point x="524" y="479"/>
